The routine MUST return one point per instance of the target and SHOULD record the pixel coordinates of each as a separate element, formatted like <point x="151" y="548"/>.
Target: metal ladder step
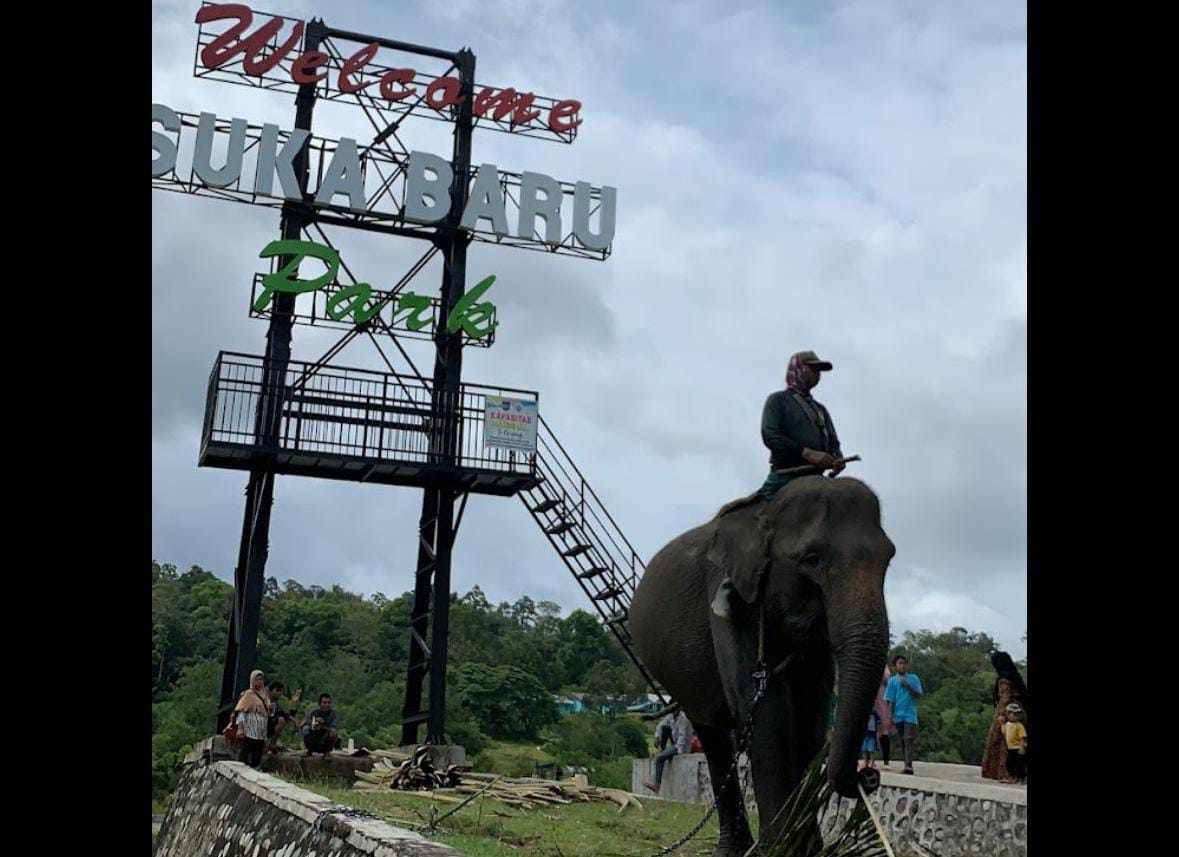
<point x="557" y="529"/>
<point x="420" y="717"/>
<point x="608" y="593"/>
<point x="545" y="505"/>
<point x="591" y="572"/>
<point x="576" y="550"/>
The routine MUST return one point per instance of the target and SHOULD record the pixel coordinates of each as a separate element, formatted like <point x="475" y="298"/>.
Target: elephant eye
<point x="810" y="558"/>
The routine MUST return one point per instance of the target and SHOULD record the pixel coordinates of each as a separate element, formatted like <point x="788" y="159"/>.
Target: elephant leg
<point x="773" y="742"/>
<point x="811" y="681"/>
<point x="735" y="837"/>
<point x="777" y="766"/>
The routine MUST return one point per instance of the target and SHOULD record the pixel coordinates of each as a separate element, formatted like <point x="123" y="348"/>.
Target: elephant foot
<point x="732" y="846"/>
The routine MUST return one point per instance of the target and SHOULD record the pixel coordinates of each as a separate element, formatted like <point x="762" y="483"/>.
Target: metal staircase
<point x="588" y="540"/>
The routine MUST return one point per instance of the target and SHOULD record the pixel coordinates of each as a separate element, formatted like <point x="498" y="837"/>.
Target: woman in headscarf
<point x="886" y="727"/>
<point x="251" y="714"/>
<point x="1009" y="688"/>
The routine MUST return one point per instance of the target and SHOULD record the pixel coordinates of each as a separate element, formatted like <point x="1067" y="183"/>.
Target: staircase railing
<point x="591" y="544"/>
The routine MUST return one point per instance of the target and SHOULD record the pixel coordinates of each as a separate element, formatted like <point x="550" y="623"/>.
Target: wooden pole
<point x="876" y="822"/>
<point x="810" y="468"/>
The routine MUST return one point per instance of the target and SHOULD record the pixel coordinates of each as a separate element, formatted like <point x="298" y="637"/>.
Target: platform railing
<point x="355" y="413"/>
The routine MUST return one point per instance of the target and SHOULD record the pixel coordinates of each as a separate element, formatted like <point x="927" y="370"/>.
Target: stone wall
<point x="228" y="809"/>
<point x="923" y="821"/>
<point x="944" y="812"/>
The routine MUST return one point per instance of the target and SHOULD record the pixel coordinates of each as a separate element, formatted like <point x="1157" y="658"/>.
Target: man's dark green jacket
<point x="787" y="430"/>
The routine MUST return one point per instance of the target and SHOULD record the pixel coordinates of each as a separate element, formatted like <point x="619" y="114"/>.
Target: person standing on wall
<point x="1016" y="736"/>
<point x="251" y="715"/>
<point x="883" y="735"/>
<point x="796" y="428"/>
<point x="1009" y="688"/>
<point x="903" y="690"/>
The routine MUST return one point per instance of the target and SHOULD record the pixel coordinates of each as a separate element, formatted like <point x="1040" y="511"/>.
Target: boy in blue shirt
<point x="901" y="695"/>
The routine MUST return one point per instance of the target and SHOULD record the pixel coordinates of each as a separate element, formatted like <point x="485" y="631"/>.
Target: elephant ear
<point x="740" y="549"/>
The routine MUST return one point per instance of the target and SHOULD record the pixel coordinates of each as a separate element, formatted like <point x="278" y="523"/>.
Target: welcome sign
<point x="371" y="183"/>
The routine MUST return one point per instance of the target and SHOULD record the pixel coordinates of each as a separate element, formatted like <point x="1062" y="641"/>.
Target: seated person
<point x="279" y="718"/>
<point x="321" y="728"/>
<point x="681" y="743"/>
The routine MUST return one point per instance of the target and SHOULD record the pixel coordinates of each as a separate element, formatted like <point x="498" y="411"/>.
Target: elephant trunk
<point x="858" y="629"/>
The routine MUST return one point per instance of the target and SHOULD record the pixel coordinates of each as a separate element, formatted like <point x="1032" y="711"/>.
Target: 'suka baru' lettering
<point x="474" y="317"/>
<point x="428" y="182"/>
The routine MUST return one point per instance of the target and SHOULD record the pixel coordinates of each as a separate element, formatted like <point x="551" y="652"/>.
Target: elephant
<point x="802" y="577"/>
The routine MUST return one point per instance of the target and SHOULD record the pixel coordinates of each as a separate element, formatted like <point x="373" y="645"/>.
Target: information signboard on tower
<point x="510" y="424"/>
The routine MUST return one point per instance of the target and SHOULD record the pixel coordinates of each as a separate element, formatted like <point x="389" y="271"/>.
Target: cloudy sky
<point x="848" y="177"/>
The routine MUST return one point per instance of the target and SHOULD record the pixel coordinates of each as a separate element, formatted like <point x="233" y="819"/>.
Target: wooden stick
<point x="810" y="468"/>
<point x="465" y="802"/>
<point x="876" y="821"/>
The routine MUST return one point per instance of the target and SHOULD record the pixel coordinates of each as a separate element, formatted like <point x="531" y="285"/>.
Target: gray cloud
<point x="847" y="178"/>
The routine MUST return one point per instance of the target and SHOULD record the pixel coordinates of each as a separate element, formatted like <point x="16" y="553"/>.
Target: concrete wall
<point x="946" y="809"/>
<point x="947" y="824"/>
<point x="228" y="809"/>
<point x="685" y="778"/>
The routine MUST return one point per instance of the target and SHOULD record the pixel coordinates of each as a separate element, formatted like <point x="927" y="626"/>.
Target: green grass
<point x="511" y="760"/>
<point x="488" y="828"/>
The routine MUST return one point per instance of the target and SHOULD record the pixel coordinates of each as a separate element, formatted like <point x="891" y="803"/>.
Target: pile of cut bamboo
<point x="396" y="770"/>
<point x="415" y="772"/>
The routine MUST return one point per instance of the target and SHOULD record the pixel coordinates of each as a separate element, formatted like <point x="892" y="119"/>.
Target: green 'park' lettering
<point x="473" y="316"/>
<point x="468" y="315"/>
<point x="286" y="278"/>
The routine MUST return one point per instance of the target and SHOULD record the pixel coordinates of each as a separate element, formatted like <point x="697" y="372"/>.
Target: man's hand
<point x="836" y="468"/>
<point x="815" y="458"/>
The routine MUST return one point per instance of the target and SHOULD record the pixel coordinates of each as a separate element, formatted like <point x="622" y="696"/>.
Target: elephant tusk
<point x="720" y="604"/>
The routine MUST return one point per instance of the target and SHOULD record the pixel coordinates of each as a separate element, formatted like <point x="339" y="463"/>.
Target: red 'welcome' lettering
<point x="505" y="101"/>
<point x="301" y="67"/>
<point x="451" y="87"/>
<point x="229" y="44"/>
<point x="397" y="75"/>
<point x="563" y="110"/>
<point x="356" y="63"/>
<point x="394" y="85"/>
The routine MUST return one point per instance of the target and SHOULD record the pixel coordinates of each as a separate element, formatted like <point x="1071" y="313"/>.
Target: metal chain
<point x="761" y="678"/>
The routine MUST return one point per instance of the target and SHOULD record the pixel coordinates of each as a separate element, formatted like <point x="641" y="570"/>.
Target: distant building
<point x="575" y="703"/>
<point x="570" y="704"/>
<point x="650" y="705"/>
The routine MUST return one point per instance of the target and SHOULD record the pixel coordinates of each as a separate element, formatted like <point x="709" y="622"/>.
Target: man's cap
<point x="810" y="358"/>
<point x="1015" y="708"/>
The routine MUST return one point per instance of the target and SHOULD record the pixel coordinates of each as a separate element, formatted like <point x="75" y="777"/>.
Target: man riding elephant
<point x="796" y="428"/>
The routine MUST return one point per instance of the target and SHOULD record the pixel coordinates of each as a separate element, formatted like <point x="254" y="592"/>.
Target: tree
<point x="505" y="701"/>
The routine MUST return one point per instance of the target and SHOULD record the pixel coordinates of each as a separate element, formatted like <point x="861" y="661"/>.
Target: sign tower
<point x="272" y="415"/>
